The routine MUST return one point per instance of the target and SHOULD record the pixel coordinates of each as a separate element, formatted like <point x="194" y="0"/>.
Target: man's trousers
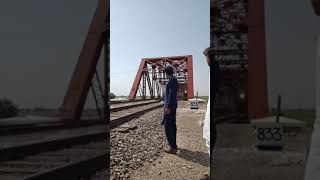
<point x="171" y="128"/>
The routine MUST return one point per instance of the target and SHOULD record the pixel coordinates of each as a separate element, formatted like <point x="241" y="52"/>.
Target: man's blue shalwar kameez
<point x="169" y="120"/>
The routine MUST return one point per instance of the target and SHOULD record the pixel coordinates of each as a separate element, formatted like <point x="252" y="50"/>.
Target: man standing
<point x="214" y="81"/>
<point x="214" y="68"/>
<point x="170" y="108"/>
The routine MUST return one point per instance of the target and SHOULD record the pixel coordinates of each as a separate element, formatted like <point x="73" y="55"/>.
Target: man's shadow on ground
<point x="194" y="156"/>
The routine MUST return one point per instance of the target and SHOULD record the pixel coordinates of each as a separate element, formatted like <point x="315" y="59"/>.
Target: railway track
<point x="37" y="127"/>
<point x="122" y="106"/>
<point x="120" y="117"/>
<point x="78" y="156"/>
<point x="76" y="162"/>
<point x="127" y="101"/>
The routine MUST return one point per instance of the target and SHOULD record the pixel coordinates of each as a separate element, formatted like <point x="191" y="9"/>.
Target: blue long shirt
<point x="170" y="95"/>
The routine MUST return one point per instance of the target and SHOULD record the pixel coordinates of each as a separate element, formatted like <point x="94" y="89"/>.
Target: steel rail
<point x="76" y="170"/>
<point x="59" y="125"/>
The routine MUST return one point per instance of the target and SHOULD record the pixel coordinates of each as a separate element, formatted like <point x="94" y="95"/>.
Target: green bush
<point x="112" y="96"/>
<point x="7" y="108"/>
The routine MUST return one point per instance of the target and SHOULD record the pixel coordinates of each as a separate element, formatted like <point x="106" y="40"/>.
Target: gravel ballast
<point x="131" y="149"/>
<point x="192" y="160"/>
<point x="138" y="153"/>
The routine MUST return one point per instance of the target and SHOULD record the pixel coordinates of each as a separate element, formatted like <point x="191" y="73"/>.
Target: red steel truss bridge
<point x="152" y="79"/>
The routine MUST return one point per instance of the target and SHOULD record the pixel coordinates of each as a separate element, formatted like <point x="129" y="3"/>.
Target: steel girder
<point x="151" y="71"/>
<point x="97" y="37"/>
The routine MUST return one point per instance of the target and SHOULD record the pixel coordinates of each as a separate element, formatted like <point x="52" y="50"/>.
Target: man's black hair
<point x="168" y="70"/>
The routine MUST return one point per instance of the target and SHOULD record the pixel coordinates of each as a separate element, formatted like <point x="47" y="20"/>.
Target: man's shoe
<point x="171" y="151"/>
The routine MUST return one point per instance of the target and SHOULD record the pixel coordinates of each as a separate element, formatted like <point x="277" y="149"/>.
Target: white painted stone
<point x="197" y="99"/>
<point x="284" y="121"/>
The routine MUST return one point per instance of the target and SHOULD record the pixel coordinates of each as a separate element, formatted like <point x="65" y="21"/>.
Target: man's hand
<point x="207" y="51"/>
<point x="167" y="111"/>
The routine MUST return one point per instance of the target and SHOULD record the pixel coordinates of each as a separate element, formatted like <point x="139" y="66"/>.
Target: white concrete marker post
<point x="269" y="134"/>
<point x="312" y="171"/>
<point x="194" y="104"/>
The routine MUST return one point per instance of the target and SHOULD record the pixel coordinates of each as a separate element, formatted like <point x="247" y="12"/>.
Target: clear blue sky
<point x="153" y="28"/>
<point x="40" y="42"/>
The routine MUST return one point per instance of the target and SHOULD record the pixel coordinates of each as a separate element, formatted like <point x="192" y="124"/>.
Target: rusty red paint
<point x="257" y="69"/>
<point x="190" y="91"/>
<point x="158" y="64"/>
<point x="79" y="84"/>
<point x="137" y="80"/>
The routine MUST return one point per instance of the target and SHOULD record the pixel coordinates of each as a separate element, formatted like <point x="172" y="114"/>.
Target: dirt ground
<point x="192" y="162"/>
<point x="235" y="154"/>
<point x="236" y="157"/>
